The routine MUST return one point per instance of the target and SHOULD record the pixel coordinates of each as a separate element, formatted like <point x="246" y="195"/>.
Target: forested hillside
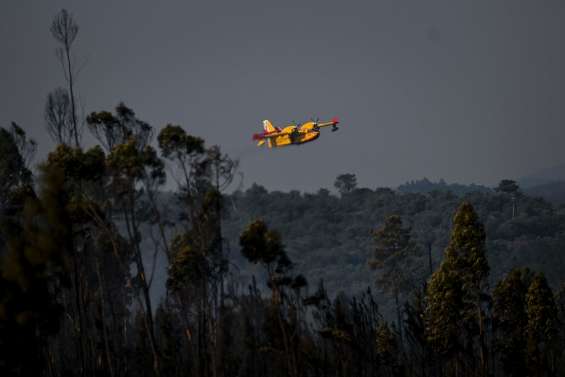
<point x="552" y="192"/>
<point x="330" y="237"/>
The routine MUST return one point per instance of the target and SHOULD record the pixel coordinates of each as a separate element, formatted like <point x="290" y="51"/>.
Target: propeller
<point x="316" y="120"/>
<point x="335" y="121"/>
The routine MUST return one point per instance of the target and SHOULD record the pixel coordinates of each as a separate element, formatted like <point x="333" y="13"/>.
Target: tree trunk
<point x="78" y="310"/>
<point x="72" y="94"/>
<point x="483" y="351"/>
<point x="399" y="318"/>
<point x="132" y="229"/>
<point x="430" y="258"/>
<point x="103" y="320"/>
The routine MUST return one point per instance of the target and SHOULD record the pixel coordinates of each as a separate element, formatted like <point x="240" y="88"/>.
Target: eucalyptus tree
<point x="15" y="176"/>
<point x="191" y="275"/>
<point x="392" y="256"/>
<point x="58" y="117"/>
<point x="134" y="170"/>
<point x="83" y="181"/>
<point x="185" y="151"/>
<point x="133" y="166"/>
<point x="33" y="273"/>
<point x="202" y="174"/>
<point x="264" y="246"/>
<point x="61" y="107"/>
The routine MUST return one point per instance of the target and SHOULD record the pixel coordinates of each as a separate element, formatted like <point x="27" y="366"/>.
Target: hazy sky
<point x="471" y="91"/>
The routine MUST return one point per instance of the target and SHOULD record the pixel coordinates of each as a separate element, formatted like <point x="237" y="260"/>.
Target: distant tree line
<point x="425" y="185"/>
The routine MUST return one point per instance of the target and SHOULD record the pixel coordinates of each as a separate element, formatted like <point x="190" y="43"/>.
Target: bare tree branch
<point x="58" y="116"/>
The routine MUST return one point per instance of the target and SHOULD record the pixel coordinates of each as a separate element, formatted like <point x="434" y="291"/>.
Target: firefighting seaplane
<point x="292" y="134"/>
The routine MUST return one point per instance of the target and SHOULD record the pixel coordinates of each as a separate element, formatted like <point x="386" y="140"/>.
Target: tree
<point x="560" y="303"/>
<point x="14" y="175"/>
<point x="219" y="170"/>
<point x="264" y="246"/>
<point x="510" y="319"/>
<point x="442" y="316"/>
<point x="181" y="148"/>
<point x="393" y="248"/>
<point x="112" y="130"/>
<point x="26" y="146"/>
<point x="132" y="164"/>
<point x="83" y="182"/>
<point x="58" y="116"/>
<point x="187" y="154"/>
<point x="79" y="167"/>
<point x="427" y="229"/>
<point x="64" y="29"/>
<point x="33" y="271"/>
<point x="191" y="277"/>
<point x="541" y="327"/>
<point x="134" y="169"/>
<point x="455" y="313"/>
<point x="261" y="245"/>
<point x="511" y="188"/>
<point x="415" y="329"/>
<point x="387" y="349"/>
<point x="204" y="174"/>
<point x="345" y="183"/>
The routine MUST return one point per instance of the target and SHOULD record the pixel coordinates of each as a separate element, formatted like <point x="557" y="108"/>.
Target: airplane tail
<point x="268" y="127"/>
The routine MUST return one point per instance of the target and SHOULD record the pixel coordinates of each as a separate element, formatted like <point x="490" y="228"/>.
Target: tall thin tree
<point x="65" y="30"/>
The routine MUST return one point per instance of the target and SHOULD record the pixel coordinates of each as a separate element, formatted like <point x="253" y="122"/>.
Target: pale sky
<point x="468" y="91"/>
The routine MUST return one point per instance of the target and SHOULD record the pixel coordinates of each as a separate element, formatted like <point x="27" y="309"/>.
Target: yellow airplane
<point x="292" y="134"/>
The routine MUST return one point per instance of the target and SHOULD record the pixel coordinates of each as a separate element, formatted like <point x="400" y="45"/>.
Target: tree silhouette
<point x="511" y="188"/>
<point x="541" y="327"/>
<point x="455" y="314"/>
<point x="33" y="270"/>
<point x="345" y="183"/>
<point x="510" y="319"/>
<point x="65" y="30"/>
<point x="393" y="248"/>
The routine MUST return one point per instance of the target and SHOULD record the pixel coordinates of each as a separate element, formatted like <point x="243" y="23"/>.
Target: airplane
<point x="292" y="134"/>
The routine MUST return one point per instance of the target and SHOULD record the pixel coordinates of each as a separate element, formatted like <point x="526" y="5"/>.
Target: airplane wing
<point x="334" y="122"/>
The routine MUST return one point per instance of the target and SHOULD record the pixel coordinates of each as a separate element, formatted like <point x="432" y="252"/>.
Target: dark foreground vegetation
<point x="79" y="240"/>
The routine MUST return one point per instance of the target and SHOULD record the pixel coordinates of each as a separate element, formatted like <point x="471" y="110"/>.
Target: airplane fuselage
<point x="296" y="135"/>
